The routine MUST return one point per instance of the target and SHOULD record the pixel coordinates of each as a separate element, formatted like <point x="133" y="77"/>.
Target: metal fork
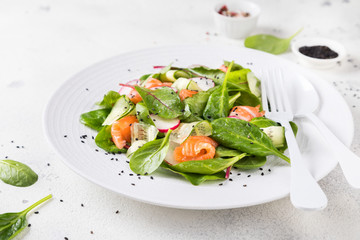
<point x="305" y="193"/>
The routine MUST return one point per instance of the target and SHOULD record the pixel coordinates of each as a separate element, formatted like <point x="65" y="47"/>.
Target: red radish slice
<point x="154" y="88"/>
<point x="204" y="83"/>
<point x="156" y="67"/>
<point x="128" y="87"/>
<point x="164" y="124"/>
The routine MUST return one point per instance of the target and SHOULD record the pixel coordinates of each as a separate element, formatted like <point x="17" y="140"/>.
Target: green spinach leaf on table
<point x="162" y="101"/>
<point x="195" y="178"/>
<point x="149" y="157"/>
<point x="109" y="99"/>
<point x="11" y="224"/>
<point x="17" y="174"/>
<point x="95" y="118"/>
<point x="269" y="43"/>
<point x="104" y="140"/>
<point x="244" y="136"/>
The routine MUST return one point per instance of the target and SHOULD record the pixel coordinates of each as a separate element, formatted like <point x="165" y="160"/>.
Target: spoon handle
<point x="349" y="162"/>
<point x="305" y="192"/>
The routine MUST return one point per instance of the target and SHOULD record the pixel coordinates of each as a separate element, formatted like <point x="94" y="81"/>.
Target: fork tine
<point x="264" y="98"/>
<point x="270" y="93"/>
<point x="284" y="93"/>
<point x="277" y="90"/>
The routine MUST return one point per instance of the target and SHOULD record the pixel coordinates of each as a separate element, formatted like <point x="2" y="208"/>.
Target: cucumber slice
<point x="184" y="83"/>
<point x="180" y="134"/>
<point x="254" y="84"/>
<point x="135" y="146"/>
<point x="170" y="75"/>
<point x="121" y="108"/>
<point x="276" y="134"/>
<point x="181" y="74"/>
<point x="143" y="131"/>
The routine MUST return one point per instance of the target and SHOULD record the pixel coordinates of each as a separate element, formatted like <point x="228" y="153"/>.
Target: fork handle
<point x="349" y="162"/>
<point x="305" y="192"/>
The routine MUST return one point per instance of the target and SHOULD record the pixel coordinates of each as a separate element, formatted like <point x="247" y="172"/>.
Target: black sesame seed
<point x="133" y="184"/>
<point x="239" y="174"/>
<point x="260" y="169"/>
<point x="29" y="225"/>
<point x="117" y="212"/>
<point x="82" y="205"/>
<point x="130" y="174"/>
<point x="48" y="164"/>
<point x="262" y="174"/>
<point x="244" y="185"/>
<point x="65" y="136"/>
<point x="86" y="89"/>
<point x="96" y="150"/>
<point x="220" y="184"/>
<point x="269" y="170"/>
<point x="61" y="200"/>
<point x="249" y="176"/>
<point x="66" y="238"/>
<point x="82" y="141"/>
<point x="230" y="179"/>
<point x="37" y="212"/>
<point x="91" y="232"/>
<point x="151" y="177"/>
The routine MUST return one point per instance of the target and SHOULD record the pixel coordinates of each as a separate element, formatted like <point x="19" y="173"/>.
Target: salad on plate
<point x="197" y="122"/>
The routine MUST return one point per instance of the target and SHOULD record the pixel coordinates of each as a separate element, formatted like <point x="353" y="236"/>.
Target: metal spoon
<point x="349" y="162"/>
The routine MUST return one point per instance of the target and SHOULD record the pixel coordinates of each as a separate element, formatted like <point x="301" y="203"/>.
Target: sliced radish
<point x="157" y="67"/>
<point x="164" y="124"/>
<point x="128" y="87"/>
<point x="204" y="83"/>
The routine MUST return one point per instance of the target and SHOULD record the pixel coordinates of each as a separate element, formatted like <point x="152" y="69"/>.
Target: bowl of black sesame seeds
<point x="321" y="53"/>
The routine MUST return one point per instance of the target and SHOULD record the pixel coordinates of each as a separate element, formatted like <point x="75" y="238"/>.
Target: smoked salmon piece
<point x="121" y="131"/>
<point x="184" y="93"/>
<point x="223" y="68"/>
<point x="246" y="112"/>
<point x="195" y="148"/>
<point x="135" y="97"/>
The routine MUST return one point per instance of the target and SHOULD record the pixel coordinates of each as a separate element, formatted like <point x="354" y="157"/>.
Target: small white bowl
<point x="237" y="27"/>
<point x="317" y="62"/>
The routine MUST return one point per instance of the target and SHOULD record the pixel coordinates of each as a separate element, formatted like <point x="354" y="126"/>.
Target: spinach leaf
<point x="109" y="99"/>
<point x="250" y="162"/>
<point x="263" y="122"/>
<point x="214" y="74"/>
<point x="194" y="178"/>
<point x="17" y="174"/>
<point x="269" y="43"/>
<point x="218" y="104"/>
<point x="233" y="98"/>
<point x="239" y="78"/>
<point x="148" y="158"/>
<point x="244" y="136"/>
<point x="104" y="140"/>
<point x="222" y="151"/>
<point x="94" y="119"/>
<point x="197" y="103"/>
<point x="235" y="67"/>
<point x="247" y="99"/>
<point x="11" y="224"/>
<point x="208" y="166"/>
<point x="142" y="114"/>
<point x="162" y="101"/>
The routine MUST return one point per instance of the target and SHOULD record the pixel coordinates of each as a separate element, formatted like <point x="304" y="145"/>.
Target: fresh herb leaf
<point x="269" y="43"/>
<point x="214" y="74"/>
<point x="94" y="119"/>
<point x="263" y="122"/>
<point x="247" y="99"/>
<point x="109" y="99"/>
<point x="148" y="158"/>
<point x="17" y="174"/>
<point x="208" y="166"/>
<point x="142" y="114"/>
<point x="162" y="101"/>
<point x="218" y="103"/>
<point x="250" y="162"/>
<point x="194" y="178"/>
<point x="104" y="140"/>
<point x="239" y="78"/>
<point x="11" y="224"/>
<point x="244" y="136"/>
<point x="235" y="66"/>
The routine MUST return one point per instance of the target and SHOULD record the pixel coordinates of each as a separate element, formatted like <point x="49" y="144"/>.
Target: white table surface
<point x="44" y="42"/>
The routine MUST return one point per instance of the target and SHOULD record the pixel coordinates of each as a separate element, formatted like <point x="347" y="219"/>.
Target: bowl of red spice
<point x="236" y="19"/>
<point x="318" y="52"/>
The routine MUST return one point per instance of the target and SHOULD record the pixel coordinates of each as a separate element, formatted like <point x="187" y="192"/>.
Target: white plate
<point x="78" y="95"/>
